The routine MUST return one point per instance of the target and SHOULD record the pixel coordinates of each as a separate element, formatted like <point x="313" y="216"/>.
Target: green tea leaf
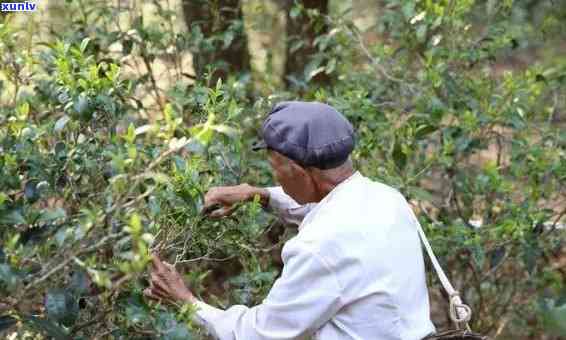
<point x="9" y="278"/>
<point x="7" y="321"/>
<point x="227" y="130"/>
<point x="84" y="44"/>
<point x="52" y="214"/>
<point x="61" y="306"/>
<point x="61" y="122"/>
<point x="48" y="327"/>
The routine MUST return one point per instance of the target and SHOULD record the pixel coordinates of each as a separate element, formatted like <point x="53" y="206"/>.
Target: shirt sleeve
<point x="287" y="208"/>
<point x="305" y="297"/>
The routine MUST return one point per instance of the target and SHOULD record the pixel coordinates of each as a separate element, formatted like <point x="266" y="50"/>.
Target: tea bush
<point x="93" y="177"/>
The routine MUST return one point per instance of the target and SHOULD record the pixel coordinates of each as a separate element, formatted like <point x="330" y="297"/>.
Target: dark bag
<point x="460" y="313"/>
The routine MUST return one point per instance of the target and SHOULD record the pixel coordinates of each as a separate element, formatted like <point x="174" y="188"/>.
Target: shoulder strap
<point x="460" y="313"/>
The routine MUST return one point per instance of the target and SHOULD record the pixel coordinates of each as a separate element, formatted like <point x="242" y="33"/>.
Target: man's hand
<point x="221" y="201"/>
<point x="166" y="284"/>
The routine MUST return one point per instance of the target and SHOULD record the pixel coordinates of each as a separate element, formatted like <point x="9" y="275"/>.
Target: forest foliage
<point x="114" y="125"/>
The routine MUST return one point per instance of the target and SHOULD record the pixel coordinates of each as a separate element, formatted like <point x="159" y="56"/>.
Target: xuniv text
<point x="18" y="6"/>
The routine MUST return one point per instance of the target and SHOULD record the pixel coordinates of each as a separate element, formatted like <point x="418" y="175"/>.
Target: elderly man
<point x="355" y="269"/>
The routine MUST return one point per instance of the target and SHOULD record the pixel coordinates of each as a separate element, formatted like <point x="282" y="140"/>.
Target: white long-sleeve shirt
<point x="355" y="270"/>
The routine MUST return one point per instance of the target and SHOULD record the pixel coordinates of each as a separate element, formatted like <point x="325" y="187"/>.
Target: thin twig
<point x="374" y="61"/>
<point x="147" y="63"/>
<point x="139" y="177"/>
<point x="72" y="257"/>
<point x="206" y="258"/>
<point x="86" y="324"/>
<point x="558" y="218"/>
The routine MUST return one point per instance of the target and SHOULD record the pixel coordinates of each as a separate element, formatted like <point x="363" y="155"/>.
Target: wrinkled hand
<point x="221" y="201"/>
<point x="166" y="284"/>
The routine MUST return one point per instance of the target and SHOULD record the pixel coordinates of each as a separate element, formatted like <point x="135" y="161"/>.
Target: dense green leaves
<point x="108" y="144"/>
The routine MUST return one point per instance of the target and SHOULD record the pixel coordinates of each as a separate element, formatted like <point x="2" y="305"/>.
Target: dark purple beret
<point x="310" y="133"/>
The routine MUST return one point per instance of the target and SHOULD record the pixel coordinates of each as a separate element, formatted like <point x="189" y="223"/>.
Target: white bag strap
<point x="460" y="313"/>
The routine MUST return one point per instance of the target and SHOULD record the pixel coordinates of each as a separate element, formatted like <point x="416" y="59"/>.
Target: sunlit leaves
<point x="443" y="118"/>
<point x="138" y="254"/>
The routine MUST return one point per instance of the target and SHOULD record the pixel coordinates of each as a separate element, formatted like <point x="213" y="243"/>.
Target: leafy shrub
<point x="93" y="178"/>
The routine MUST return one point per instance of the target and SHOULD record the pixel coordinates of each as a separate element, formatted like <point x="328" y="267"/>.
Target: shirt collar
<point x="341" y="185"/>
<point x="356" y="175"/>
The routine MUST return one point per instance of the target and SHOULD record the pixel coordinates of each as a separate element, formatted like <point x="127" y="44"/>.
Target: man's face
<point x="295" y="181"/>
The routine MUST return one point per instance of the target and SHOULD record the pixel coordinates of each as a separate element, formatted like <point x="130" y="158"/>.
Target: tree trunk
<point x="224" y="19"/>
<point x="301" y="33"/>
<point x="57" y="12"/>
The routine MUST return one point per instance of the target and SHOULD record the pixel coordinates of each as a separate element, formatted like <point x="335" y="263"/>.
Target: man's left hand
<point x="166" y="284"/>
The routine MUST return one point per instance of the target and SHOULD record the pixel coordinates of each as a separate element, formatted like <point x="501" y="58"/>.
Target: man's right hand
<point x="227" y="197"/>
